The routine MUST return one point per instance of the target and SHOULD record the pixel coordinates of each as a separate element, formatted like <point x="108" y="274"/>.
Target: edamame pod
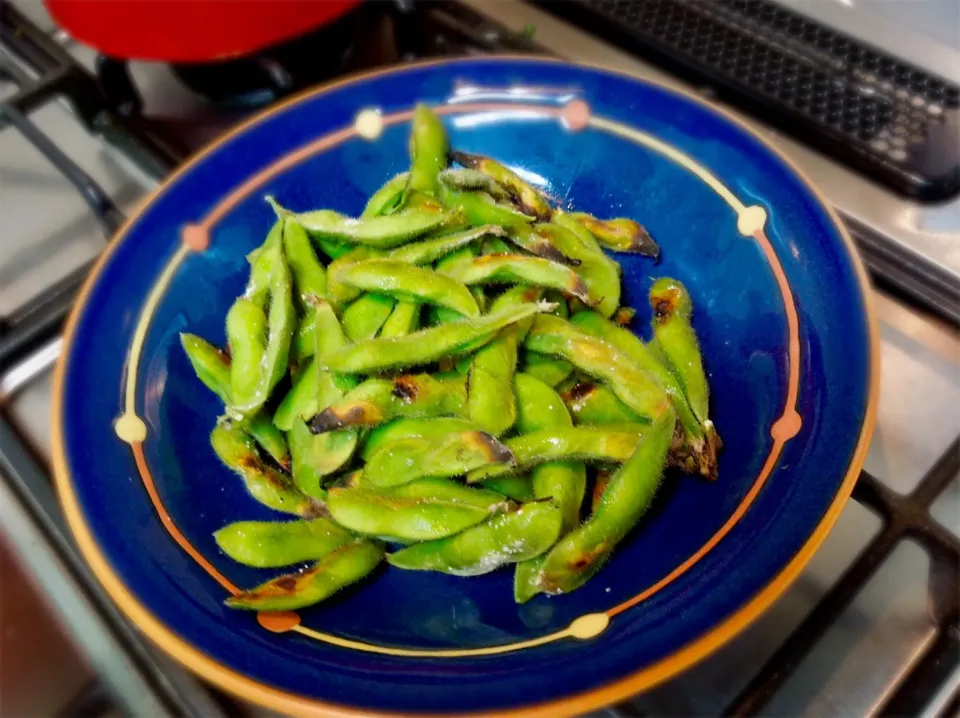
<point x="419" y="511"/>
<point x="380" y="232"/>
<point x="366" y="316"/>
<point x="599" y="273"/>
<point x="491" y="402"/>
<point x="628" y="495"/>
<point x="406" y="427"/>
<point x="550" y="370"/>
<point x="508" y="537"/>
<point x="309" y="276"/>
<point x="247" y="339"/>
<point x="514" y="269"/>
<point x="389" y="198"/>
<point x="604" y="444"/>
<point x="271" y="488"/>
<point x="376" y="401"/>
<point x="407" y="282"/>
<point x="563" y="481"/>
<point x="338" y="569"/>
<point x="318" y="456"/>
<point x="404" y="318"/>
<point x="431" y="249"/>
<point x="270" y="544"/>
<point x="620" y="234"/>
<point x="628" y="343"/>
<point x="677" y="341"/>
<point x="524" y="194"/>
<point x="470" y="180"/>
<point x="428" y="150"/>
<point x="514" y="487"/>
<point x="427" y="345"/>
<point x="634" y="387"/>
<point x="405" y="460"/>
<point x="213" y="369"/>
<point x="594" y="404"/>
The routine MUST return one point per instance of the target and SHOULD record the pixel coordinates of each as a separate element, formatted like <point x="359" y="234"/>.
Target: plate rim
<point x="608" y="693"/>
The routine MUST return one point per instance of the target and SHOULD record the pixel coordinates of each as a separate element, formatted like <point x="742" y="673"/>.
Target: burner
<point x="255" y="80"/>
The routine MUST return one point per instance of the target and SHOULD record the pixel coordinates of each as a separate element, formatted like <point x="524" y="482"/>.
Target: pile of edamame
<point x="437" y="375"/>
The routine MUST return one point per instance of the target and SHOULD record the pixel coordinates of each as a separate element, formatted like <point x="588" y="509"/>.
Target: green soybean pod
<point x="628" y="343"/>
<point x="435" y="248"/>
<point x="338" y="569"/>
<point x="270" y="544"/>
<point x="677" y="341"/>
<point x="420" y="511"/>
<point x="594" y="404"/>
<point x="237" y="450"/>
<point x="376" y="401"/>
<point x="404" y="318"/>
<point x="213" y="369"/>
<point x="408" y="282"/>
<point x="406" y="427"/>
<point x="301" y="401"/>
<point x="427" y="345"/>
<point x="550" y="370"/>
<point x="508" y="537"/>
<point x="428" y="150"/>
<point x="247" y="339"/>
<point x="309" y="276"/>
<point x="628" y="495"/>
<point x="405" y="460"/>
<point x="365" y="316"/>
<point x="491" y="401"/>
<point x="389" y="198"/>
<point x="517" y="269"/>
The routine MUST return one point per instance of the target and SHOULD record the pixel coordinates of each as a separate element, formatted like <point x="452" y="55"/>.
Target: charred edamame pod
<point x="620" y="234"/>
<point x="338" y="569"/>
<point x="628" y="495"/>
<point x="376" y="401"/>
<point x="267" y="485"/>
<point x="523" y="193"/>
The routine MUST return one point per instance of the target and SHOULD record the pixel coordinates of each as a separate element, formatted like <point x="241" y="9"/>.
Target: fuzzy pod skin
<point x="426" y="345"/>
<point x="271" y="544"/>
<point x="508" y="537"/>
<point x="238" y="451"/>
<point x="580" y="554"/>
<point x="338" y="569"/>
<point x="411" y="458"/>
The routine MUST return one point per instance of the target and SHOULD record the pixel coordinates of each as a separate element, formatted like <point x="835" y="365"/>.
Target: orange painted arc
<point x="170" y="525"/>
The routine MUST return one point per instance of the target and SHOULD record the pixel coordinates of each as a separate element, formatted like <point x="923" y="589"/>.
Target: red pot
<point x="188" y="31"/>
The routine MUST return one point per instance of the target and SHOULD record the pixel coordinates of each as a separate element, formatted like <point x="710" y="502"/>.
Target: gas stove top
<point x="871" y="625"/>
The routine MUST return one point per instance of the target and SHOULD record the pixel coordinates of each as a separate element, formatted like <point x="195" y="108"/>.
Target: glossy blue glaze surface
<point x="739" y="317"/>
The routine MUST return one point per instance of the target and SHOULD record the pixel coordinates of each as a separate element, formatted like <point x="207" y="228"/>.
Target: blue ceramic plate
<point x="782" y="312"/>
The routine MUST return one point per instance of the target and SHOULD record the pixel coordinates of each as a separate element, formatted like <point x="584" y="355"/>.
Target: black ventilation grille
<point x="892" y="121"/>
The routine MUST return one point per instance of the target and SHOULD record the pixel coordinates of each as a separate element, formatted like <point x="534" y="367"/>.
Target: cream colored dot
<point x="751" y="220"/>
<point x="130" y="428"/>
<point x="589" y="626"/>
<point x="368" y="124"/>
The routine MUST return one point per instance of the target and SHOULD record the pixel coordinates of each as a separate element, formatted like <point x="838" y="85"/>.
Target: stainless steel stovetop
<point x="879" y="623"/>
